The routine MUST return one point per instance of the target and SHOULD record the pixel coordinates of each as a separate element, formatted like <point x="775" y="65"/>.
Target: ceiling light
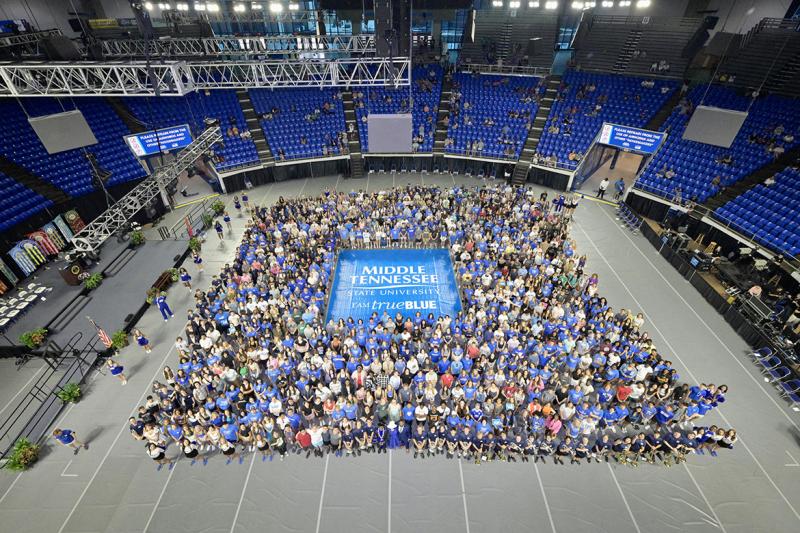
<point x="239" y="8"/>
<point x="275" y="7"/>
<point x="625" y="3"/>
<point x="148" y="6"/>
<point x="294" y="6"/>
<point x="182" y="6"/>
<point x="533" y="4"/>
<point x="513" y="4"/>
<point x="199" y="6"/>
<point x="607" y="3"/>
<point x="212" y="7"/>
<point x="589" y="5"/>
<point x="497" y="3"/>
<point x="551" y="4"/>
<point x="256" y="7"/>
<point x="643" y="3"/>
<point x="577" y="5"/>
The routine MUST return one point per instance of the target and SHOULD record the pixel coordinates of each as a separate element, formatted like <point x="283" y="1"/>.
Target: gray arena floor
<point x="114" y="486"/>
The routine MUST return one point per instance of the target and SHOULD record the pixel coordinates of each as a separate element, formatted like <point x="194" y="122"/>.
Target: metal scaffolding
<point x="118" y="215"/>
<point x="27" y="40"/>
<point x="175" y="78"/>
<point x="241" y="47"/>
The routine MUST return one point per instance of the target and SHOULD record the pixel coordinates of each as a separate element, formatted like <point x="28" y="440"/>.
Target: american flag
<point x="104" y="338"/>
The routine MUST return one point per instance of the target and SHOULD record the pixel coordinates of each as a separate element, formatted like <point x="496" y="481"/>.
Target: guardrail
<point x="512" y="70"/>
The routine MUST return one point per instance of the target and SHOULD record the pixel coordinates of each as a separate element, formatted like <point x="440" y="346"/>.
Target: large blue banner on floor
<point x="404" y="281"/>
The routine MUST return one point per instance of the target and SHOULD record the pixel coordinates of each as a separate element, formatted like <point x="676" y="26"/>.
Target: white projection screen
<point x="389" y="134"/>
<point x="63" y="131"/>
<point x="714" y="125"/>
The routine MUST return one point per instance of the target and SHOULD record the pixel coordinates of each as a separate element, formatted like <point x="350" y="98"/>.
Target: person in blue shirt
<point x="67" y="438"/>
<point x="161" y="303"/>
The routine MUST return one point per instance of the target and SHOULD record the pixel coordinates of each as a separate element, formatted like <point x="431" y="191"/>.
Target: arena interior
<point x="400" y="266"/>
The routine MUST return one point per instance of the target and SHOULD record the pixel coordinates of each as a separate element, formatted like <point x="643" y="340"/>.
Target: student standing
<point x="218" y="228"/>
<point x="116" y="370"/>
<point x="198" y="261"/>
<point x="185" y="278"/>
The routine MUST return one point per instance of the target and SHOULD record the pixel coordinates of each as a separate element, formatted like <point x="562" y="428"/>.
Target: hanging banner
<point x="8" y="273"/>
<point x="44" y="242"/>
<point x="74" y="220"/>
<point x="54" y="235"/>
<point x="63" y="228"/>
<point x="28" y="256"/>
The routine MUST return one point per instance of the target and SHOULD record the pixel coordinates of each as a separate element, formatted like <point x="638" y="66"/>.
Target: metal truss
<point x="242" y="47"/>
<point x="42" y="78"/>
<point x="175" y="78"/>
<point x="25" y="40"/>
<point x="118" y="215"/>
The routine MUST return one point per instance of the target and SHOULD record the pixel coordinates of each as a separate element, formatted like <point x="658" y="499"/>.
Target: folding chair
<point x="762" y="353"/>
<point x="790" y="388"/>
<point x="4" y="322"/>
<point x="769" y="364"/>
<point x="780" y="373"/>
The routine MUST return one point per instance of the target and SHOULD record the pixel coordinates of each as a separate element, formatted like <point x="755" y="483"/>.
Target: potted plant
<point x="194" y="244"/>
<point x="208" y="220"/>
<point x="24" y="454"/>
<point x="137" y="237"/>
<point x="119" y="339"/>
<point x="33" y="339"/>
<point x="174" y="274"/>
<point x="218" y="207"/>
<point x="93" y="281"/>
<point x="152" y="293"/>
<point x="71" y="393"/>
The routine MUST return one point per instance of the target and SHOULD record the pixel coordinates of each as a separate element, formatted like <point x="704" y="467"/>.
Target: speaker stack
<point x="392" y="28"/>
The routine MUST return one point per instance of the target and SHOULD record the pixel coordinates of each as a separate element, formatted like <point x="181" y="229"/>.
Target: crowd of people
<point x="537" y="364"/>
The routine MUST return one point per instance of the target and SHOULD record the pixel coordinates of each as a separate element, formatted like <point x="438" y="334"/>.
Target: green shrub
<point x="218" y="206"/>
<point x="194" y="244"/>
<point x="137" y="237"/>
<point x="93" y="281"/>
<point x="33" y="339"/>
<point x="208" y="220"/>
<point x="24" y="454"/>
<point x="152" y="293"/>
<point x="119" y="340"/>
<point x="174" y="274"/>
<point x="71" y="393"/>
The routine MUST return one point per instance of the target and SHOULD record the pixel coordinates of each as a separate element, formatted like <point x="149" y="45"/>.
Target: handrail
<point x="706" y="212"/>
<point x="645" y="20"/>
<point x="512" y="70"/>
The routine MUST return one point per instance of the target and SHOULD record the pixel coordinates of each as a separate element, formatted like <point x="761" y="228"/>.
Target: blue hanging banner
<point x="393" y="281"/>
<point x="633" y="139"/>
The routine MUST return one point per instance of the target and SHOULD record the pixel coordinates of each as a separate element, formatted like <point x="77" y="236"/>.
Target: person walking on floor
<point x="141" y="340"/>
<point x="67" y="438"/>
<point x="161" y="302"/>
<point x="218" y="227"/>
<point x="619" y="188"/>
<point x="601" y="191"/>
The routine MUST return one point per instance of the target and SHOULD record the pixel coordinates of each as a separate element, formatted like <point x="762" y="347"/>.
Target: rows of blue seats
<point x="628" y="102"/>
<point x="194" y="109"/>
<point x="769" y="213"/>
<point x="487" y="96"/>
<point x="18" y="202"/>
<point x="69" y="170"/>
<point x="426" y="90"/>
<point x="695" y="164"/>
<point x="302" y="115"/>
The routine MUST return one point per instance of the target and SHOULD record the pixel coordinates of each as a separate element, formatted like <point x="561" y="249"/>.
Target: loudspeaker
<point x="384" y="38"/>
<point x="60" y="48"/>
<point x="401" y="17"/>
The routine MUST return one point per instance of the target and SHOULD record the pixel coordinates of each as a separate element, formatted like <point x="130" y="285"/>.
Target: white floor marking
<point x="544" y="497"/>
<point x="389" y="514"/>
<point x="624" y="499"/>
<point x="158" y="501"/>
<point x="694" y="378"/>
<point x="710" y="330"/>
<point x="703" y="495"/>
<point x="8" y="490"/>
<point x="463" y="493"/>
<point x="64" y="474"/>
<point x="322" y="492"/>
<point x="266" y="193"/>
<point x="794" y="461"/>
<point x="302" y="188"/>
<point x="23" y="388"/>
<point x="244" y="488"/>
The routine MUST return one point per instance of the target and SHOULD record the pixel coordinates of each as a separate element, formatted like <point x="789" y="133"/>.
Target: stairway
<point x="782" y="79"/>
<point x="32" y="181"/>
<point x="626" y="54"/>
<point x="666" y="110"/>
<point x="520" y="174"/>
<point x="353" y="137"/>
<point x="756" y="178"/>
<point x="440" y="134"/>
<point x="254" y="125"/>
<point x="134" y="124"/>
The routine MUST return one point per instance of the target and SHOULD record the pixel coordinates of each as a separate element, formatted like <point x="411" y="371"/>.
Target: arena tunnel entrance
<point x="611" y="163"/>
